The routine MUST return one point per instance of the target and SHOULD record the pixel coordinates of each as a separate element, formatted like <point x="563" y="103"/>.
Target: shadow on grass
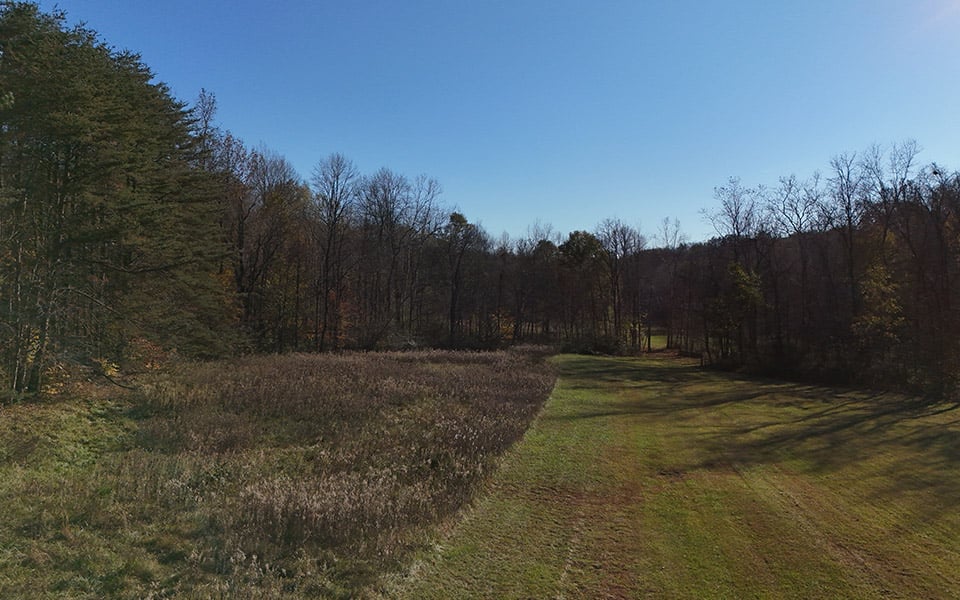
<point x="722" y="419"/>
<point x="585" y="371"/>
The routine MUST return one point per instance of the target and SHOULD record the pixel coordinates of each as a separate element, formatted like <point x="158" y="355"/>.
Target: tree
<point x="396" y="219"/>
<point x="737" y="217"/>
<point x="460" y="236"/>
<point x="107" y="221"/>
<point x="622" y="243"/>
<point x="584" y="265"/>
<point x="887" y="185"/>
<point x="926" y="254"/>
<point x="425" y="219"/>
<point x="334" y="192"/>
<point x="738" y="221"/>
<point x="670" y="238"/>
<point x="877" y="328"/>
<point x="844" y="212"/>
<point x="795" y="207"/>
<point x="272" y="201"/>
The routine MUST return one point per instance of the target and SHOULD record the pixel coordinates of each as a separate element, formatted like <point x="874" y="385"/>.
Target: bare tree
<point x="886" y="179"/>
<point x="621" y="243"/>
<point x="273" y="198"/>
<point x="738" y="217"/>
<point x="534" y="281"/>
<point x="671" y="238"/>
<point x="334" y="191"/>
<point x="396" y="218"/>
<point x="844" y="212"/>
<point x="670" y="235"/>
<point x="794" y="207"/>
<point x="424" y="217"/>
<point x="460" y="237"/>
<point x="739" y="222"/>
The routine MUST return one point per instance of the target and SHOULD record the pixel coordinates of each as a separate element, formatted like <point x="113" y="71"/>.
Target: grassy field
<point x="263" y="477"/>
<point x="651" y="478"/>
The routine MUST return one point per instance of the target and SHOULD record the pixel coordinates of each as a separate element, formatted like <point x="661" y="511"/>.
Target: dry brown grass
<point x="283" y="476"/>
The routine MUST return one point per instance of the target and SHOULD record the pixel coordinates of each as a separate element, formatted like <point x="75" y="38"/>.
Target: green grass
<point x="651" y="478"/>
<point x="658" y="342"/>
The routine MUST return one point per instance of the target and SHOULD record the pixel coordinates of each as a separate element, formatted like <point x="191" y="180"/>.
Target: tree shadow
<point x="725" y="419"/>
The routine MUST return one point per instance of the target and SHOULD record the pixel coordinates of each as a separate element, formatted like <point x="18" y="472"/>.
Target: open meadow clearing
<point x="652" y="478"/>
<point x="401" y="475"/>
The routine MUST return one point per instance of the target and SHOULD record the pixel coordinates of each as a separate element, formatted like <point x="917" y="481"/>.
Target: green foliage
<point x="582" y="248"/>
<point x="109" y="229"/>
<point x="746" y="292"/>
<point x="878" y="325"/>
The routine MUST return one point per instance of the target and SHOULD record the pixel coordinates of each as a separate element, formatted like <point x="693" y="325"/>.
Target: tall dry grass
<point x="297" y="475"/>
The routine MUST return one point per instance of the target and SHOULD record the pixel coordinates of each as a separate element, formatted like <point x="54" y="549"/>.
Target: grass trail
<point x="649" y="478"/>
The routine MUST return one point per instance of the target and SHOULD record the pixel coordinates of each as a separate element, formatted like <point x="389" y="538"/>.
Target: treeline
<point x="132" y="225"/>
<point x="850" y="275"/>
<point x="367" y="261"/>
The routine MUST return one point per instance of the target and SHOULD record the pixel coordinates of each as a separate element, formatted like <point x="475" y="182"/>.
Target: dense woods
<point x="133" y="225"/>
<point x="108" y="227"/>
<point x="849" y="275"/>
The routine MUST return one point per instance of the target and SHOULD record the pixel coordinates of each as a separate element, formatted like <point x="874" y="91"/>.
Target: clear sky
<point x="559" y="111"/>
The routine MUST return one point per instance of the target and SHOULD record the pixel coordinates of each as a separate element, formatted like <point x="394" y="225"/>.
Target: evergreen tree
<point x="105" y="219"/>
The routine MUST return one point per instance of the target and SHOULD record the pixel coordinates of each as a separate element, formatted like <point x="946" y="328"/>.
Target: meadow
<point x="654" y="478"/>
<point x="262" y="477"/>
<point x="453" y="475"/>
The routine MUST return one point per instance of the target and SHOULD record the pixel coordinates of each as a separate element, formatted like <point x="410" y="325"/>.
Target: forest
<point x="134" y="227"/>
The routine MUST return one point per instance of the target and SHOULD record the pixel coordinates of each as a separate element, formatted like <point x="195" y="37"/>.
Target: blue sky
<point x="563" y="112"/>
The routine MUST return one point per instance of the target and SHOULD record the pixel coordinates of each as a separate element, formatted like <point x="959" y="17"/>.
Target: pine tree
<point x="106" y="223"/>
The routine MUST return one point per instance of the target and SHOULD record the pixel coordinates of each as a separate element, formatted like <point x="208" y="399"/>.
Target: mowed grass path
<point x="651" y="478"/>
